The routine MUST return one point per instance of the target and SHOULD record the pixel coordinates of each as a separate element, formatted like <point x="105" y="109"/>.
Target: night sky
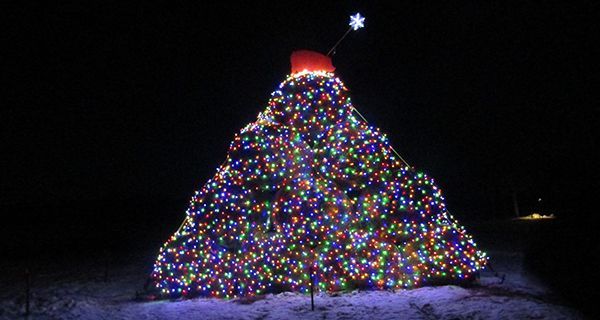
<point x="111" y="102"/>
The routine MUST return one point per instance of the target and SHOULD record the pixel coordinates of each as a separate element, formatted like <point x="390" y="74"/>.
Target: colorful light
<point x="311" y="185"/>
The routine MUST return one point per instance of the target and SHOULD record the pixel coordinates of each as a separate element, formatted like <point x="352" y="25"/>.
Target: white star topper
<point x="357" y="21"/>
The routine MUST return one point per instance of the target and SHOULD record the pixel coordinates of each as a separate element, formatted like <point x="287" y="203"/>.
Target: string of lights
<point x="308" y="186"/>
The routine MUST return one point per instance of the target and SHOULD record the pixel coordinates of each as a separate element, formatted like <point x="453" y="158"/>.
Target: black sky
<point x="113" y="101"/>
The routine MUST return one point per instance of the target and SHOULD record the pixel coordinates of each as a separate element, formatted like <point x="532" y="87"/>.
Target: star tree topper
<point x="356" y="22"/>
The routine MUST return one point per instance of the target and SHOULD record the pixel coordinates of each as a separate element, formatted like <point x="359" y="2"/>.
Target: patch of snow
<point x="79" y="292"/>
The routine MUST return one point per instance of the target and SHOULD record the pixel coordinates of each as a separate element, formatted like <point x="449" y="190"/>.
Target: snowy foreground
<point x="62" y="292"/>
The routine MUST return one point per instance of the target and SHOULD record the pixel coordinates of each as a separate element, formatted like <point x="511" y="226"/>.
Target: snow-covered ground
<point x="79" y="292"/>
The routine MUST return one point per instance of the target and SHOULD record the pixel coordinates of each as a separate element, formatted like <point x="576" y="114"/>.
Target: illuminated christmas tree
<point x="311" y="187"/>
